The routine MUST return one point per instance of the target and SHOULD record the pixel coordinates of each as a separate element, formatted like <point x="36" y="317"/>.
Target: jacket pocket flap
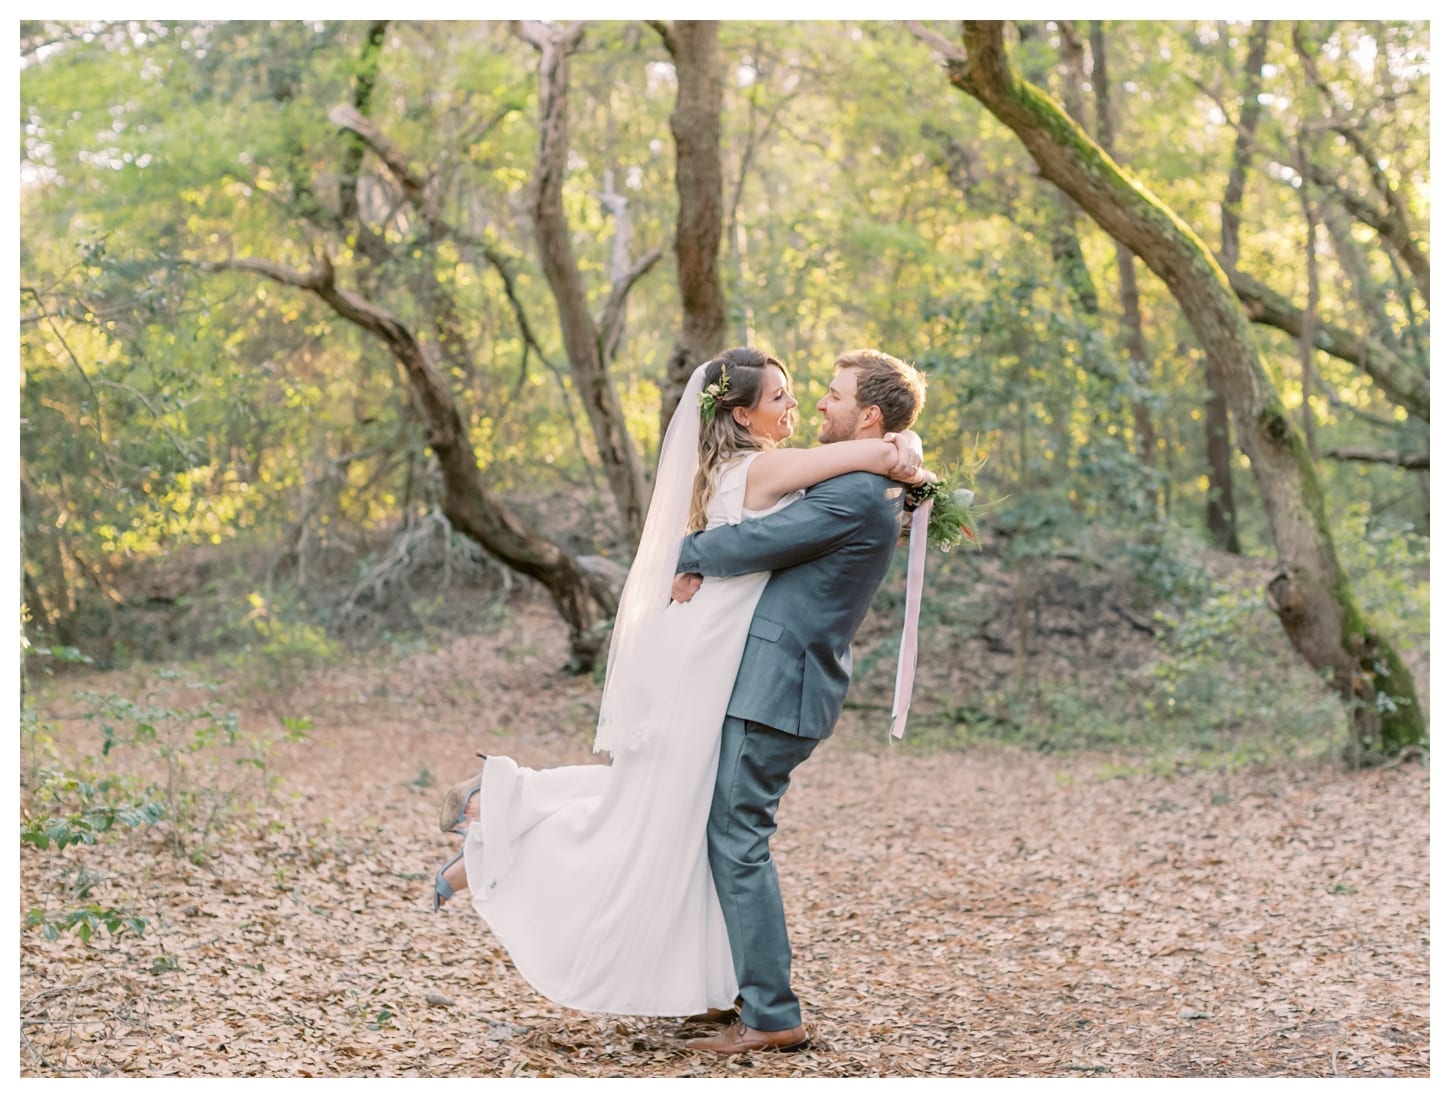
<point x="766" y="630"/>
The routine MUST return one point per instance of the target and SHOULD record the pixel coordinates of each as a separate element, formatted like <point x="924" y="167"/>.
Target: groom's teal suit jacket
<point x="827" y="553"/>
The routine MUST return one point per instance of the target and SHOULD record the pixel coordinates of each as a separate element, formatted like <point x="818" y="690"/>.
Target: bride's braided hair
<point x="721" y="437"/>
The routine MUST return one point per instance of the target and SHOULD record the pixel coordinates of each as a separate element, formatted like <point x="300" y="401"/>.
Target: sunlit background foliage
<point x="867" y="203"/>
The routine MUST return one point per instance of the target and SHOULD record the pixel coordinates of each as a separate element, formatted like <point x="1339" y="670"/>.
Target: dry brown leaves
<point x="991" y="914"/>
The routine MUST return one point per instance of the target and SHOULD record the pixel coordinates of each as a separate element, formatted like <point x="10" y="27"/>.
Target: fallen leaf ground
<point x="985" y="913"/>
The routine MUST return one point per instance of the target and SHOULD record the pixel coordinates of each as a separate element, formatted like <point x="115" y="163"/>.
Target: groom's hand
<point x="908" y="456"/>
<point x="685" y="586"/>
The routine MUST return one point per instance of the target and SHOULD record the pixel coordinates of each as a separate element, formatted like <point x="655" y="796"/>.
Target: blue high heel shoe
<point x="442" y="890"/>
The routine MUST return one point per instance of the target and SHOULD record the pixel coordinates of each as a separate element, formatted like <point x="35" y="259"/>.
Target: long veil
<point x="629" y="690"/>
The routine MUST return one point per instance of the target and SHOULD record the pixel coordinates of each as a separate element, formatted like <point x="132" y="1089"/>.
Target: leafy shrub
<point x="85" y="921"/>
<point x="68" y="811"/>
<point x="1227" y="671"/>
<point x="82" y="812"/>
<point x="1388" y="564"/>
<point x="181" y="738"/>
<point x="97" y="802"/>
<point x="273" y="642"/>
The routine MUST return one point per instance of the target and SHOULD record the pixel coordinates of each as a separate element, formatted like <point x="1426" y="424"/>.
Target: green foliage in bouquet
<point x="955" y="514"/>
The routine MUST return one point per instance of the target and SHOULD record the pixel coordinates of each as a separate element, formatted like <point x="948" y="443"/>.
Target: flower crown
<point x="711" y="395"/>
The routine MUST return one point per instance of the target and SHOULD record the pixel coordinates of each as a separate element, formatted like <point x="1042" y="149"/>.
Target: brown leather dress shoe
<point x="741" y="1038"/>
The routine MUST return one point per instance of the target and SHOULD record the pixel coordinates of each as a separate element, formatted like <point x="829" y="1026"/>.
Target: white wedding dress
<point x="596" y="878"/>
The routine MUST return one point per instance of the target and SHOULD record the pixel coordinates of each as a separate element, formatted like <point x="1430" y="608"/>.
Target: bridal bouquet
<point x="954" y="518"/>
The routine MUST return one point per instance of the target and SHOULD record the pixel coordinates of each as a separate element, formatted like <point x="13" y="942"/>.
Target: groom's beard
<point x="831" y="432"/>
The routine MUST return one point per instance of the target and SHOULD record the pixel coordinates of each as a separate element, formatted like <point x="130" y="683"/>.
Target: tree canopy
<point x="235" y="234"/>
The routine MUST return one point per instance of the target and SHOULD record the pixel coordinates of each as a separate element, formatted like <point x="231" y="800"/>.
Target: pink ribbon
<point x="906" y="660"/>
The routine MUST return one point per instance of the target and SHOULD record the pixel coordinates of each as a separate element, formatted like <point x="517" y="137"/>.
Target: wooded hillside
<point x="299" y="293"/>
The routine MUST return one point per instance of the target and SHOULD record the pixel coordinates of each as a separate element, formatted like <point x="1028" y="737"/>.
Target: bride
<point x="596" y="878"/>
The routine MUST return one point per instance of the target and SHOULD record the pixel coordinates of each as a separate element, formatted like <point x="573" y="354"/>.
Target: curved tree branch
<point x="611" y="319"/>
<point x="1310" y="592"/>
<point x="1402" y="382"/>
<point x="944" y="47"/>
<point x="1399" y="458"/>
<point x="415" y="189"/>
<point x="423" y="197"/>
<point x="469" y="504"/>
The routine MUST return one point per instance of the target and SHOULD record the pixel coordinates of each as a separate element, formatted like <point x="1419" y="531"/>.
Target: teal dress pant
<point x="755" y="768"/>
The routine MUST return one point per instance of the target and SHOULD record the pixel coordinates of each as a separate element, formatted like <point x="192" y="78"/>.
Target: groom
<point x="828" y="553"/>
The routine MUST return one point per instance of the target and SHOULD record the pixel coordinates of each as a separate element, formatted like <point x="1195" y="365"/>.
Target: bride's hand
<point x="908" y="456"/>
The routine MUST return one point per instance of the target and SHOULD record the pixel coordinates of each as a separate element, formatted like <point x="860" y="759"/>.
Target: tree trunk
<point x="1220" y="514"/>
<point x="1057" y="209"/>
<point x="470" y="507"/>
<point x="356" y="146"/>
<point x="584" y="601"/>
<point x="1231" y="209"/>
<point x="1128" y="301"/>
<point x="1311" y="313"/>
<point x="583" y="340"/>
<point x="1309" y="591"/>
<point x="699" y="179"/>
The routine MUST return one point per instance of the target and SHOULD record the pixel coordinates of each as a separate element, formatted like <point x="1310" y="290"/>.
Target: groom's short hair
<point x="897" y="389"/>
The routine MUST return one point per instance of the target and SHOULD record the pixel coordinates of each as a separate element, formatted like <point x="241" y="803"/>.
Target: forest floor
<point x="988" y="912"/>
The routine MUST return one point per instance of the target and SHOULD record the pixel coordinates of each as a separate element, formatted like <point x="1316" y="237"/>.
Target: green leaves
<point x="88" y="810"/>
<point x="867" y="201"/>
<point x="85" y="921"/>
